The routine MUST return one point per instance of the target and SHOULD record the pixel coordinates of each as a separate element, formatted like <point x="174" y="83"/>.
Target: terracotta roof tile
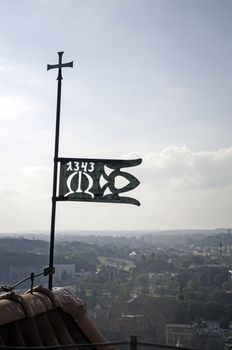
<point x="45" y="318"/>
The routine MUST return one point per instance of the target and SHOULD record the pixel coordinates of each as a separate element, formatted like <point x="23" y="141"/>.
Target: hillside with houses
<point x="166" y="288"/>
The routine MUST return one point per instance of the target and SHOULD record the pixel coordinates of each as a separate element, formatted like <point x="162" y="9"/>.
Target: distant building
<point x="100" y="313"/>
<point x="121" y="327"/>
<point x="209" y="275"/>
<point x="134" y="322"/>
<point x="181" y="334"/>
<point x="64" y="272"/>
<point x="206" y="336"/>
<point x="109" y="273"/>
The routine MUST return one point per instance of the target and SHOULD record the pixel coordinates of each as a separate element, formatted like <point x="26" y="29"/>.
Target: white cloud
<point x="184" y="168"/>
<point x="179" y="188"/>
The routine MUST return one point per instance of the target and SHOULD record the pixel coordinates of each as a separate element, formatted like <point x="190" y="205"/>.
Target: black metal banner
<point x="96" y="180"/>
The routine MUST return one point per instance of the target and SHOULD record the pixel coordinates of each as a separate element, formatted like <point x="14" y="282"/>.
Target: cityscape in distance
<point x="168" y="287"/>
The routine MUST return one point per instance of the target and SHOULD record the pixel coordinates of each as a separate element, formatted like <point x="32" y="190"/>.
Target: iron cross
<point x="60" y="65"/>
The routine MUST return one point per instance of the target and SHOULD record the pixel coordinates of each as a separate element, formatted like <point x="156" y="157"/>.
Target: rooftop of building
<point x="41" y="317"/>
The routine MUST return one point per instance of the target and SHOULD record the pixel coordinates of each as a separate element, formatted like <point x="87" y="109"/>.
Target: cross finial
<point x="60" y="65"/>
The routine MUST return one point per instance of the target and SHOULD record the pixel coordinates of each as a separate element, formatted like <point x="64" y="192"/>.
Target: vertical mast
<point x="59" y="66"/>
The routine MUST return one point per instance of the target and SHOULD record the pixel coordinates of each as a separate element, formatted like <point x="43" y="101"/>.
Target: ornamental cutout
<point x="96" y="180"/>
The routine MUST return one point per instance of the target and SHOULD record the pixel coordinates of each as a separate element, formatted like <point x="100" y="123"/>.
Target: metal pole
<point x="133" y="342"/>
<point x="60" y="65"/>
<point x="53" y="217"/>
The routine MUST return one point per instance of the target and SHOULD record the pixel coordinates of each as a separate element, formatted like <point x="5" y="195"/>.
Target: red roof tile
<point x="45" y="318"/>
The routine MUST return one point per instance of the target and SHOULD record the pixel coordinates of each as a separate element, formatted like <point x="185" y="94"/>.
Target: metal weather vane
<point x="94" y="180"/>
<point x="82" y="179"/>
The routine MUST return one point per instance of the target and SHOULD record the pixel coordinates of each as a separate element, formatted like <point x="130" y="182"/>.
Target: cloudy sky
<point x="151" y="78"/>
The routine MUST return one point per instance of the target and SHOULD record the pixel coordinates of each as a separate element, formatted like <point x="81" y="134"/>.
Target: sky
<point x="151" y="79"/>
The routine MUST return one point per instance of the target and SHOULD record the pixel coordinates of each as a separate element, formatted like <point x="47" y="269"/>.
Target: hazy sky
<point x="151" y="78"/>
